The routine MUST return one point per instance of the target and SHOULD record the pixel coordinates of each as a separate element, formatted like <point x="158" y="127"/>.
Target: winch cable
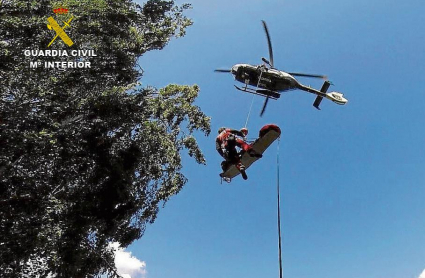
<point x="277" y="185"/>
<point x="249" y="112"/>
<point x="278" y="212"/>
<point x="252" y="101"/>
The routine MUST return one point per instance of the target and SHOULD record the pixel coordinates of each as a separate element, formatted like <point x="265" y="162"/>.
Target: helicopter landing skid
<point x="264" y="93"/>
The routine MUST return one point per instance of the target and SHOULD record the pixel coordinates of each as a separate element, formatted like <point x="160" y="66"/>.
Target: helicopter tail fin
<point x="319" y="98"/>
<point x="317" y="102"/>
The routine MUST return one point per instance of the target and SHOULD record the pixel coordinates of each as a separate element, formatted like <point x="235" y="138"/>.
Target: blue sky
<point x="352" y="177"/>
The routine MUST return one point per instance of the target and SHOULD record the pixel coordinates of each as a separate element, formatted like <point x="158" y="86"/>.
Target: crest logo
<point x="59" y="24"/>
<point x="53" y="25"/>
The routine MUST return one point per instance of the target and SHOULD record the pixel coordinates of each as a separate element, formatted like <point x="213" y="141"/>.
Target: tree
<point x="87" y="156"/>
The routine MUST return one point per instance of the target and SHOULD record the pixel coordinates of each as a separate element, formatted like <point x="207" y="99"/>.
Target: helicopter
<point x="267" y="81"/>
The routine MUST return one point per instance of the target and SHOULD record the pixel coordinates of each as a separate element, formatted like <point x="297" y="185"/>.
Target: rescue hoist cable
<point x="278" y="212"/>
<point x="252" y="101"/>
<point x="249" y="112"/>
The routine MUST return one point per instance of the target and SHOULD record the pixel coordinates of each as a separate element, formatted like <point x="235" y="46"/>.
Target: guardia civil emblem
<point x="60" y="30"/>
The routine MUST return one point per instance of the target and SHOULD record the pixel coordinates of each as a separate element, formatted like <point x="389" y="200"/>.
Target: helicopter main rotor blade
<point x="264" y="106"/>
<point x="269" y="43"/>
<point x="222" y="70"/>
<point x="308" y="75"/>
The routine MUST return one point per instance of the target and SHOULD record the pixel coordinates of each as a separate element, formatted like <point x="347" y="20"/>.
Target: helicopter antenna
<point x="266" y="61"/>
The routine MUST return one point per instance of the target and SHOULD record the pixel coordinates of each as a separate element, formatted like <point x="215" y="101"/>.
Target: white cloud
<point x="422" y="274"/>
<point x="127" y="265"/>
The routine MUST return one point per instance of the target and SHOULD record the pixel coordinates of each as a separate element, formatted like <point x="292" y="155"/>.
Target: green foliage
<point x="87" y="156"/>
